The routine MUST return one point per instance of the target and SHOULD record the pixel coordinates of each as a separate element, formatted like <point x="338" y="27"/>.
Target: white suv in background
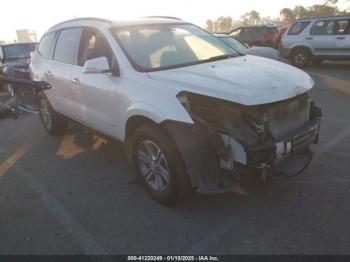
<point x="317" y="39"/>
<point x="193" y="113"/>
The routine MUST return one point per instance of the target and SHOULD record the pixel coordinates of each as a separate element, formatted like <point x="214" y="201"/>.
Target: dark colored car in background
<point x="259" y="35"/>
<point x="14" y="61"/>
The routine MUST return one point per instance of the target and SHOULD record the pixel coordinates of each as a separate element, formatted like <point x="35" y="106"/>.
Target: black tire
<point x="300" y="58"/>
<point x="55" y="124"/>
<point x="179" y="185"/>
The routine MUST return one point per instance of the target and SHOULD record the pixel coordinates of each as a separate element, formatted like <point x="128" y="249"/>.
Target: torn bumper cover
<point x="223" y="142"/>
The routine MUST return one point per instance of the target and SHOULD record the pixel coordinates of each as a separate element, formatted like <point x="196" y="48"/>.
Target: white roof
<point x="88" y="21"/>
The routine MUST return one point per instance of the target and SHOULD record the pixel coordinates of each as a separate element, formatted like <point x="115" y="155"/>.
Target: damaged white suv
<point x="193" y="113"/>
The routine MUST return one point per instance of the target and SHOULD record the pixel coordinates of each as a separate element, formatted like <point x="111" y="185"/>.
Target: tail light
<point x="283" y="33"/>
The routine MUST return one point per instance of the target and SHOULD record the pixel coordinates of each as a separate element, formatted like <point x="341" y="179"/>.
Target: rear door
<point x="342" y="38"/>
<point x="64" y="62"/>
<point x="321" y="38"/>
<point x="41" y="66"/>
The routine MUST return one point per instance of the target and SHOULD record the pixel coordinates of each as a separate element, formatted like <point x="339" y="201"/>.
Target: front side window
<point x="18" y="51"/>
<point x="342" y="27"/>
<point x="297" y="28"/>
<point x="93" y="45"/>
<point x="164" y="46"/>
<point x="67" y="45"/>
<point x="46" y="45"/>
<point x="323" y="28"/>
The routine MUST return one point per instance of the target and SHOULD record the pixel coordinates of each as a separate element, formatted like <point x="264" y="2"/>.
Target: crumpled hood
<point x="247" y="80"/>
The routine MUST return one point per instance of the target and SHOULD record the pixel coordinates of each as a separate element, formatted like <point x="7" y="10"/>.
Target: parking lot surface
<point x="73" y="195"/>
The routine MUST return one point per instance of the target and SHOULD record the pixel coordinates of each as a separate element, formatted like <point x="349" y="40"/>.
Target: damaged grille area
<point x="252" y="125"/>
<point x="253" y="135"/>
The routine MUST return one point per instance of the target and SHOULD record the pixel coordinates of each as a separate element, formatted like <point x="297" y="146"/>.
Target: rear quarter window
<point x="46" y="45"/>
<point x="297" y="28"/>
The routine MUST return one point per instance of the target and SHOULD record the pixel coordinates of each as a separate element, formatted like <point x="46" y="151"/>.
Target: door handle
<point x="341" y="37"/>
<point x="308" y="38"/>
<point x="48" y="73"/>
<point x="75" y="81"/>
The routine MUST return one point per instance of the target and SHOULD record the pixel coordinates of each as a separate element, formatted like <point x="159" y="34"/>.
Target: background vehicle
<point x="260" y="35"/>
<point x="14" y="62"/>
<point x="317" y="39"/>
<point x="267" y="52"/>
<point x="191" y="111"/>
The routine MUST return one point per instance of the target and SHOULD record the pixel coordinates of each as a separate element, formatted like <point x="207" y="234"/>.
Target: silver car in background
<point x="266" y="52"/>
<point x="317" y="39"/>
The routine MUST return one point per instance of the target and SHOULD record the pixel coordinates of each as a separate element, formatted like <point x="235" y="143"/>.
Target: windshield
<point x="19" y="51"/>
<point x="233" y="43"/>
<point x="165" y="46"/>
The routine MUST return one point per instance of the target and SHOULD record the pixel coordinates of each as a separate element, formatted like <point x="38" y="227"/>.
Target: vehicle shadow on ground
<point x="80" y="142"/>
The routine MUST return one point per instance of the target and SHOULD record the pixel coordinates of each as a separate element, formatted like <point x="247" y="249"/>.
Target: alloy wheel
<point x="153" y="165"/>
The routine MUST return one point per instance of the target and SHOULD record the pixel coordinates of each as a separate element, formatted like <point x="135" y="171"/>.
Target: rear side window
<point x="297" y="28"/>
<point x="46" y="45"/>
<point x="273" y="30"/>
<point x="246" y="31"/>
<point x="67" y="46"/>
<point x="258" y="30"/>
<point x="323" y="28"/>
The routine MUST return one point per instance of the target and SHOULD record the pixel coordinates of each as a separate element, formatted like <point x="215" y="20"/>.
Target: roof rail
<point x="165" y="17"/>
<point x="84" y="18"/>
<point x="329" y="16"/>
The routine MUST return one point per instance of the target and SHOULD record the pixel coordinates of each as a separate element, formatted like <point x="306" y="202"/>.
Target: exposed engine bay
<point x="256" y="138"/>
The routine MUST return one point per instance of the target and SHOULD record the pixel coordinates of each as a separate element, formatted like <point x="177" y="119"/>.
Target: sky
<point x="39" y="15"/>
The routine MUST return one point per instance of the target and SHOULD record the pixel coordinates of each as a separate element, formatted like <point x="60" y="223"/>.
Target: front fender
<point x="155" y="113"/>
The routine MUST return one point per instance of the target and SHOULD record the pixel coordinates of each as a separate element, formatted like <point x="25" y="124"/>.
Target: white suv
<point x="317" y="39"/>
<point x="193" y="113"/>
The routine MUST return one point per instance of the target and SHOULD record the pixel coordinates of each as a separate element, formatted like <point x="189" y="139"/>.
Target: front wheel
<point x="159" y="165"/>
<point x="300" y="58"/>
<point x="53" y="123"/>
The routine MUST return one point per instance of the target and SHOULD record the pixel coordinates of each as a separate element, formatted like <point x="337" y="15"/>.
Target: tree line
<point x="287" y="15"/>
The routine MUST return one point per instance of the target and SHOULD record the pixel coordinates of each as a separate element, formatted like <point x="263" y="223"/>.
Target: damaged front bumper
<point x="271" y="154"/>
<point x="215" y="158"/>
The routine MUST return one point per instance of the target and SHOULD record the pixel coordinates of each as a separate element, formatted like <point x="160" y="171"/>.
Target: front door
<point x="342" y="38"/>
<point x="94" y="94"/>
<point x="64" y="61"/>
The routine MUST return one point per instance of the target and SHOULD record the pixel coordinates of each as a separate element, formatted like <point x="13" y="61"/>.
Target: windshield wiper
<point x="216" y="58"/>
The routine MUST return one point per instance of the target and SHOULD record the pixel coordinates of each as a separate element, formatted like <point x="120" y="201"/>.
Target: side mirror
<point x="97" y="65"/>
<point x="246" y="45"/>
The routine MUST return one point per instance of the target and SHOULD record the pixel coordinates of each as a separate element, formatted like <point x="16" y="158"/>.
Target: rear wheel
<point x="300" y="58"/>
<point x="159" y="165"/>
<point x="53" y="123"/>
